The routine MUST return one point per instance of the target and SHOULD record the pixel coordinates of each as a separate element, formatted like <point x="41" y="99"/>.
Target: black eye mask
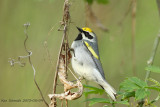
<point x="79" y="37"/>
<point x="88" y="35"/>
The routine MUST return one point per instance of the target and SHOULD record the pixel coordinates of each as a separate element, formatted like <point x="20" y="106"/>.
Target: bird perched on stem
<point x="86" y="61"/>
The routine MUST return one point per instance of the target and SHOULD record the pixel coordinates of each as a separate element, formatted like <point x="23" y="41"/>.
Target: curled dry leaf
<point x="67" y="84"/>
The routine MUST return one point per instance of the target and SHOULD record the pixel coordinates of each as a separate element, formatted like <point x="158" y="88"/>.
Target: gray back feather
<point x="97" y="61"/>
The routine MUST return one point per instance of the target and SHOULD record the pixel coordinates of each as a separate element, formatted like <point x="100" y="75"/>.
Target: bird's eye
<point x="88" y="35"/>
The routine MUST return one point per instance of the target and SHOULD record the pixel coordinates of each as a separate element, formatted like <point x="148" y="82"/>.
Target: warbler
<point x="86" y="60"/>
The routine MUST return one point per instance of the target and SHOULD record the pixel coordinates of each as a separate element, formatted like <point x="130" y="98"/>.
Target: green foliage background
<point x="115" y="47"/>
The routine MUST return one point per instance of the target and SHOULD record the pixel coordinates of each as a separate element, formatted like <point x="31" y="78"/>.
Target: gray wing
<point x="97" y="61"/>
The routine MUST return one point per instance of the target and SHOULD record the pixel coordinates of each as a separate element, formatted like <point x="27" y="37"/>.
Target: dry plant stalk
<point x="67" y="84"/>
<point x="13" y="61"/>
<point x="62" y="64"/>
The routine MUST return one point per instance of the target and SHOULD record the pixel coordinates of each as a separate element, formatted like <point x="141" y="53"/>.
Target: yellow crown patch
<point x="87" y="29"/>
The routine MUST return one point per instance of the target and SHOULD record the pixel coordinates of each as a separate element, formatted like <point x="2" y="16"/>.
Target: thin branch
<point x="152" y="57"/>
<point x="29" y="57"/>
<point x="155" y="100"/>
<point x="155" y="46"/>
<point x="56" y="73"/>
<point x="151" y="60"/>
<point x="12" y="61"/>
<point x="64" y="22"/>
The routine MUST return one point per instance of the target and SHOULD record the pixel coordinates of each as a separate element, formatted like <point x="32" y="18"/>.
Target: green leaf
<point x="127" y="95"/>
<point x="122" y="102"/>
<point x="93" y="90"/>
<point x="104" y="100"/>
<point x="102" y="1"/>
<point x="153" y="69"/>
<point x="98" y="100"/>
<point x="138" y="82"/>
<point x="141" y="93"/>
<point x="132" y="83"/>
<point x="98" y="1"/>
<point x="127" y="85"/>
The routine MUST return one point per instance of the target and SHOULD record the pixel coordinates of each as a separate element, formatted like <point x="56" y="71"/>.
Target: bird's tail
<point x="110" y="90"/>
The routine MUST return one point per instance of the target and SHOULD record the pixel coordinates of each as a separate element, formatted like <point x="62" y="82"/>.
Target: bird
<point x="86" y="60"/>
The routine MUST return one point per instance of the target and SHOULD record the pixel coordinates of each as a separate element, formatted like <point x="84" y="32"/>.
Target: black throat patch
<point x="79" y="37"/>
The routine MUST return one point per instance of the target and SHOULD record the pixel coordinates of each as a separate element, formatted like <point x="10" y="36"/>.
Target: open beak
<point x="80" y="30"/>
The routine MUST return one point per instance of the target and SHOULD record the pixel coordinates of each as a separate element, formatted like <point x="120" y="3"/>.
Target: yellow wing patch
<point x="87" y="29"/>
<point x="91" y="50"/>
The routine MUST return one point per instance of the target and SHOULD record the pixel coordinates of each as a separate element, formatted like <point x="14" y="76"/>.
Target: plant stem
<point x="157" y="98"/>
<point x="64" y="44"/>
<point x="150" y="61"/>
<point x="155" y="46"/>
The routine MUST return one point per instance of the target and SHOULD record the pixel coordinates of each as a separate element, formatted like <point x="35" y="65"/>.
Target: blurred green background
<point x="115" y="47"/>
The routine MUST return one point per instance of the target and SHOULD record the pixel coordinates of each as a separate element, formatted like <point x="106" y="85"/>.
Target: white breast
<point x="82" y="62"/>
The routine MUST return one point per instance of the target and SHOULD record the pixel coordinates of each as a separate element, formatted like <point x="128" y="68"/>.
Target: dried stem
<point x="64" y="23"/>
<point x="29" y="57"/>
<point x="62" y="63"/>
<point x="67" y="95"/>
<point x="56" y="73"/>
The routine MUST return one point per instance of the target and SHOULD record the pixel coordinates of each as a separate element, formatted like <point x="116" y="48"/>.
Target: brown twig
<point x="62" y="65"/>
<point x="64" y="46"/>
<point x="56" y="73"/>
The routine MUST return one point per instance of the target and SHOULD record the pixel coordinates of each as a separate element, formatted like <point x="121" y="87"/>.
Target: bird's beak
<point x="80" y="30"/>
